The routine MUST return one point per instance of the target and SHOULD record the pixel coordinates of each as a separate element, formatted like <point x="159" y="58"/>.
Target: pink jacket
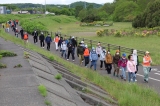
<point x="131" y="66"/>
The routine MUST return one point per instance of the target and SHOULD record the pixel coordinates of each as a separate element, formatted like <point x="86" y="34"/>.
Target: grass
<point x="48" y="103"/>
<point x="127" y="94"/>
<point x="58" y="76"/>
<point x="51" y="58"/>
<point x="42" y="90"/>
<point x="5" y="53"/>
<point x="18" y="66"/>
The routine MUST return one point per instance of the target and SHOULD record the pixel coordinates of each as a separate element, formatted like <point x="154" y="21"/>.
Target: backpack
<point x="94" y="56"/>
<point x="81" y="50"/>
<point x="123" y="62"/>
<point x="25" y="37"/>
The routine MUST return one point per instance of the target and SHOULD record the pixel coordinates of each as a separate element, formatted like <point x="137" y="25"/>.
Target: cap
<point x="124" y="54"/>
<point x="147" y="52"/>
<point x="86" y="46"/>
<point x="93" y="48"/>
<point x="82" y="41"/>
<point x="72" y="36"/>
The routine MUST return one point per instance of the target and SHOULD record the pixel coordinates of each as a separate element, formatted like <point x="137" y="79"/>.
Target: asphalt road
<point x="154" y="75"/>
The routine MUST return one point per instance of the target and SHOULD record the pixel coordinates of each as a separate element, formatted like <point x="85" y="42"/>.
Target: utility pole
<point x="84" y="4"/>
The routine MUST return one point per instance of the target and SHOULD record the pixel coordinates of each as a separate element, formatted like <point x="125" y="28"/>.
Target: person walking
<point x="64" y="49"/>
<point x="25" y="38"/>
<point x="136" y="60"/>
<point x="131" y="68"/>
<point x="93" y="57"/>
<point x="99" y="49"/>
<point x="102" y="58"/>
<point x="74" y="43"/>
<point x="70" y="51"/>
<point x="7" y="27"/>
<point x="116" y="58"/>
<point x="48" y="41"/>
<point x="35" y="36"/>
<point x="56" y="40"/>
<point x="86" y="55"/>
<point x="122" y="63"/>
<point x="21" y="32"/>
<point x="16" y="32"/>
<point x="60" y="42"/>
<point x="147" y="60"/>
<point x="42" y="38"/>
<point x="109" y="61"/>
<point x="80" y="52"/>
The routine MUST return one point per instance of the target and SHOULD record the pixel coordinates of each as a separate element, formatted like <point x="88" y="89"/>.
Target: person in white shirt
<point x="64" y="49"/>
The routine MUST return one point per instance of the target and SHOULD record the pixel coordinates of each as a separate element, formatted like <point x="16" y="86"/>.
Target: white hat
<point x="147" y="52"/>
<point x="82" y="41"/>
<point x="86" y="46"/>
<point x="72" y="36"/>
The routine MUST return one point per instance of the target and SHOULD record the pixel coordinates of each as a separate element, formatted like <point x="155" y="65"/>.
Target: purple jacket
<point x="122" y="62"/>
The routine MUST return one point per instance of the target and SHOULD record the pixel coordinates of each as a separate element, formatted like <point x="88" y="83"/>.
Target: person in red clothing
<point x="56" y="40"/>
<point x="86" y="55"/>
<point x="25" y="38"/>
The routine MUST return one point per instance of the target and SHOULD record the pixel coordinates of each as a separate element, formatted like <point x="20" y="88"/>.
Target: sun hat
<point x="147" y="52"/>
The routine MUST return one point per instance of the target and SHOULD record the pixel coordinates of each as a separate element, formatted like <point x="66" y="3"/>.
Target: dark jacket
<point x="21" y="31"/>
<point x="70" y="47"/>
<point x="41" y="37"/>
<point x="116" y="59"/>
<point x="80" y="50"/>
<point x="48" y="39"/>
<point x="60" y="42"/>
<point x="74" y="42"/>
<point x="35" y="34"/>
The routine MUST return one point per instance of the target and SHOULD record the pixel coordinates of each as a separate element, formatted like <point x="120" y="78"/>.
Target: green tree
<point x="77" y="10"/>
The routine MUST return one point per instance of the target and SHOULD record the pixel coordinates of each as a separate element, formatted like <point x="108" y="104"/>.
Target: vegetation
<point x="7" y="53"/>
<point x="42" y="90"/>
<point x="18" y="66"/>
<point x="48" y="103"/>
<point x="58" y="76"/>
<point x="150" y="17"/>
<point x="126" y="94"/>
<point x="2" y="65"/>
<point x="26" y="55"/>
<point x="51" y="58"/>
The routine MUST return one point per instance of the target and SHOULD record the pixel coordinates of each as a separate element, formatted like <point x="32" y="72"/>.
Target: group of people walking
<point x="86" y="55"/>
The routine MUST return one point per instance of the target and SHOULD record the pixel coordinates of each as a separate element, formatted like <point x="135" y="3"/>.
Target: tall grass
<point x="127" y="94"/>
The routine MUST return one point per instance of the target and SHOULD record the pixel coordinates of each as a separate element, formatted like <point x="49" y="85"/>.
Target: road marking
<point x="149" y="77"/>
<point x="157" y="73"/>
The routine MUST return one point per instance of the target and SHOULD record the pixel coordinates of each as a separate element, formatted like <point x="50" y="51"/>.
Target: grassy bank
<point x="126" y="94"/>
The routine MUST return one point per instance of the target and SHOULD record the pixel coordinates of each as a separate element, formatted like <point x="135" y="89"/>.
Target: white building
<point x="3" y="10"/>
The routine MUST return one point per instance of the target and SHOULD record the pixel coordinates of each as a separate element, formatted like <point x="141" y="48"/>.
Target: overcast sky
<point x="52" y="1"/>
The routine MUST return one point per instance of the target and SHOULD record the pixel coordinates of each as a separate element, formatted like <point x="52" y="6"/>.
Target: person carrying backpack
<point x="109" y="61"/>
<point x="25" y="38"/>
<point x="70" y="51"/>
<point x="116" y="58"/>
<point x="122" y="63"/>
<point x="86" y="55"/>
<point x="21" y="32"/>
<point x="16" y="32"/>
<point x="42" y="38"/>
<point x="48" y="40"/>
<point x="35" y="36"/>
<point x="93" y="57"/>
<point x="80" y="52"/>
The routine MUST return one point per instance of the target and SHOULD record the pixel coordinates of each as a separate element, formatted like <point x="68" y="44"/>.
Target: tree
<point x="77" y="10"/>
<point x="126" y="11"/>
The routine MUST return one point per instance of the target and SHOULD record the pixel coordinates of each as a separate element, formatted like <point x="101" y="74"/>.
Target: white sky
<point x="52" y="1"/>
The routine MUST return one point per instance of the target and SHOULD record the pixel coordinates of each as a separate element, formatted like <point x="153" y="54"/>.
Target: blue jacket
<point x="93" y="55"/>
<point x="48" y="39"/>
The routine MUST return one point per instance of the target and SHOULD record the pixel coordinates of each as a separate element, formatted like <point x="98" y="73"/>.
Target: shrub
<point x="51" y="58"/>
<point x="42" y="90"/>
<point x="2" y="65"/>
<point x="58" y="76"/>
<point x="7" y="54"/>
<point x="118" y="34"/>
<point x="100" y="33"/>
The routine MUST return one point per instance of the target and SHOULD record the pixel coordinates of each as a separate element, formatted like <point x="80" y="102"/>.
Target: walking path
<point x="154" y="80"/>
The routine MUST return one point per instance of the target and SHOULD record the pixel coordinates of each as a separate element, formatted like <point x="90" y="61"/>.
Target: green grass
<point x="47" y="103"/>
<point x="5" y="53"/>
<point x="51" y="58"/>
<point x="58" y="76"/>
<point x="127" y="94"/>
<point x="42" y="90"/>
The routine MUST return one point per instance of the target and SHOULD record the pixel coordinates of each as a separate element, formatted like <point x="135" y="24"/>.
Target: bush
<point x="7" y="54"/>
<point x="118" y="34"/>
<point x="100" y="33"/>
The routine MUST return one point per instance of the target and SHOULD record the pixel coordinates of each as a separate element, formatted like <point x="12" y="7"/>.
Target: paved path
<point x="154" y="80"/>
<point x="18" y="86"/>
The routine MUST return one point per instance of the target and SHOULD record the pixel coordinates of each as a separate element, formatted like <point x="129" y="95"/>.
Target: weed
<point x="51" y="58"/>
<point x="43" y="91"/>
<point x="48" y="103"/>
<point x="7" y="53"/>
<point x="26" y="55"/>
<point x="18" y="66"/>
<point x="2" y="66"/>
<point x="58" y="76"/>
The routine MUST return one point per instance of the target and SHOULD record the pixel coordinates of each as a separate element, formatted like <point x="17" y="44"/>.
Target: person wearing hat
<point x="109" y="61"/>
<point x="16" y="32"/>
<point x="116" y="58"/>
<point x="86" y="55"/>
<point x="136" y="60"/>
<point x="48" y="41"/>
<point x="122" y="63"/>
<point x="93" y="57"/>
<point x="35" y="36"/>
<point x="99" y="49"/>
<point x="102" y="58"/>
<point x="41" y="38"/>
<point x="80" y="52"/>
<point x="147" y="60"/>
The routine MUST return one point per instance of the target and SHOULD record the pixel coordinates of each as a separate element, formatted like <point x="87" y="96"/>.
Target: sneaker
<point x="135" y="80"/>
<point x="131" y="79"/>
<point x="117" y="76"/>
<point x="43" y="47"/>
<point x="82" y="61"/>
<point x="73" y="60"/>
<point x="121" y="76"/>
<point x="145" y="81"/>
<point x="67" y="59"/>
<point x="124" y="79"/>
